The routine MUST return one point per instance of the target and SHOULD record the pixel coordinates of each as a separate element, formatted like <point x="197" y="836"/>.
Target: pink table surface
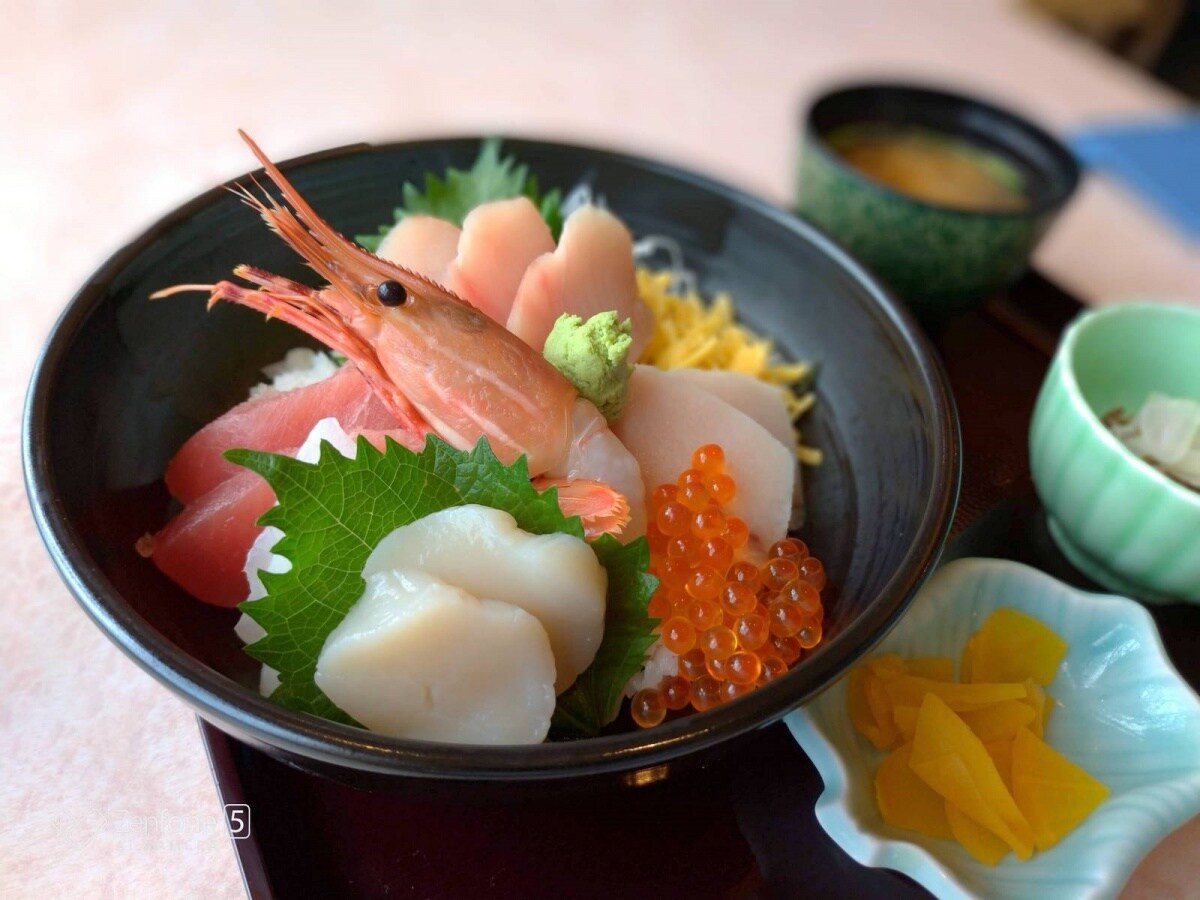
<point x="114" y="113"/>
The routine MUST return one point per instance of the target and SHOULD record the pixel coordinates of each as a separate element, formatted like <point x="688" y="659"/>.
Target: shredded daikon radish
<point x="579" y="196"/>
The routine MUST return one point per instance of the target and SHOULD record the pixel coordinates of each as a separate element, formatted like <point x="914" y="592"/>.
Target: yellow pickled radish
<point x="908" y="690"/>
<point x="1012" y="646"/>
<point x="860" y="710"/>
<point x="1001" y="754"/>
<point x="971" y="761"/>
<point x="937" y="668"/>
<point x="1000" y="721"/>
<point x="1052" y="792"/>
<point x="881" y="709"/>
<point x="905" y="718"/>
<point x="966" y="667"/>
<point x="905" y="800"/>
<point x="1041" y="704"/>
<point x="948" y="757"/>
<point x="886" y="666"/>
<point x="976" y="840"/>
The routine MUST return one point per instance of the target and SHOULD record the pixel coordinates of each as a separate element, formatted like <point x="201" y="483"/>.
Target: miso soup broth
<point x="931" y="166"/>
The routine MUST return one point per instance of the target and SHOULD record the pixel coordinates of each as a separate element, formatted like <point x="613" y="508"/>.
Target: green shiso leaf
<point x="592" y="701"/>
<point x="334" y="512"/>
<point x="492" y="177"/>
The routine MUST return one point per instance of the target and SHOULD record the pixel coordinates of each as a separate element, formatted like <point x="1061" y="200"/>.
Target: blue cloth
<point x="1159" y="160"/>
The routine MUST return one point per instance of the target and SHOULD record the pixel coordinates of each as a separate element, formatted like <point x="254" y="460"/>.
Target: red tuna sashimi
<point x="278" y="422"/>
<point x="203" y="549"/>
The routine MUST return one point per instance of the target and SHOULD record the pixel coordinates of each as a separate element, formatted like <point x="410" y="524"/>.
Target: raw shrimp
<point x="437" y="362"/>
<point x="597" y="453"/>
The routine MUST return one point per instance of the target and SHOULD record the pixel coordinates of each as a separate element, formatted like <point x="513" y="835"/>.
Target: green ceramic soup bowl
<point x="939" y="259"/>
<point x="1117" y="518"/>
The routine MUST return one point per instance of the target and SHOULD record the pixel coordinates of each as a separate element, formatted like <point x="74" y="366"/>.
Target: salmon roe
<point x="735" y="617"/>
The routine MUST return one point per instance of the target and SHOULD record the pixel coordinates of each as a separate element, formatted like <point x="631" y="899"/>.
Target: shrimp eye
<point x="391" y="293"/>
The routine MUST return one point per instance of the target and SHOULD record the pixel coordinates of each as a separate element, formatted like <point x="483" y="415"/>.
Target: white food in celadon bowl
<point x="1121" y="712"/>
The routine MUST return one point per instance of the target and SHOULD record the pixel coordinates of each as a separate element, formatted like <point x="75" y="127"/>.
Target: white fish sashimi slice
<point x="554" y="577"/>
<point x="422" y="243"/>
<point x="591" y="271"/>
<point x="762" y="402"/>
<point x="499" y="241"/>
<point x="667" y="417"/>
<point x="418" y="658"/>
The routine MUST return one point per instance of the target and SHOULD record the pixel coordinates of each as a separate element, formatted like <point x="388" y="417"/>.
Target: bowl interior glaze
<point x="124" y="381"/>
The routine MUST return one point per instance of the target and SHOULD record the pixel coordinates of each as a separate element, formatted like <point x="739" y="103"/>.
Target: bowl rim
<point x="878" y="850"/>
<point x="1067" y="163"/>
<point x="1075" y="332"/>
<point x="242" y="712"/>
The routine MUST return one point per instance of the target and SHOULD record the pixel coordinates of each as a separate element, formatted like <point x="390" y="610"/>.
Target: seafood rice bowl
<point x="515" y="478"/>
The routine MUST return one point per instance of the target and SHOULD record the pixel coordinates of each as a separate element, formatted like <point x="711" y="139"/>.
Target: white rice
<point x="660" y="662"/>
<point x="299" y="368"/>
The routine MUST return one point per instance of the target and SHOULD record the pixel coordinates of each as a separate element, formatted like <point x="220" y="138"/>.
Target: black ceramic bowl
<point x="123" y="381"/>
<point x="939" y="259"/>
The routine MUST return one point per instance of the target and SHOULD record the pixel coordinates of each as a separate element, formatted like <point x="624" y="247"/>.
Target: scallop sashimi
<point x="276" y="422"/>
<point x="667" y="417"/>
<point x="499" y="242"/>
<point x="554" y="577"/>
<point x="418" y="658"/>
<point x="591" y="271"/>
<point x="425" y="244"/>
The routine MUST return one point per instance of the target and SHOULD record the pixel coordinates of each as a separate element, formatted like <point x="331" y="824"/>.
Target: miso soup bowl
<point x="123" y="382"/>
<point x="1117" y="518"/>
<point x="939" y="259"/>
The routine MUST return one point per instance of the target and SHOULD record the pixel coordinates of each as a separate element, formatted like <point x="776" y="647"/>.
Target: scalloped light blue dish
<point x="1122" y="713"/>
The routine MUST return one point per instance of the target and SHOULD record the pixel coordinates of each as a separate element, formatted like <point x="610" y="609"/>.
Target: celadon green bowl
<point x="940" y="260"/>
<point x="1121" y="712"/>
<point x="1117" y="518"/>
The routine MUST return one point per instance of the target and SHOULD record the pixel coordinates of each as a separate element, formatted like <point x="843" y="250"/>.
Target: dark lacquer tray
<point x="742" y="828"/>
